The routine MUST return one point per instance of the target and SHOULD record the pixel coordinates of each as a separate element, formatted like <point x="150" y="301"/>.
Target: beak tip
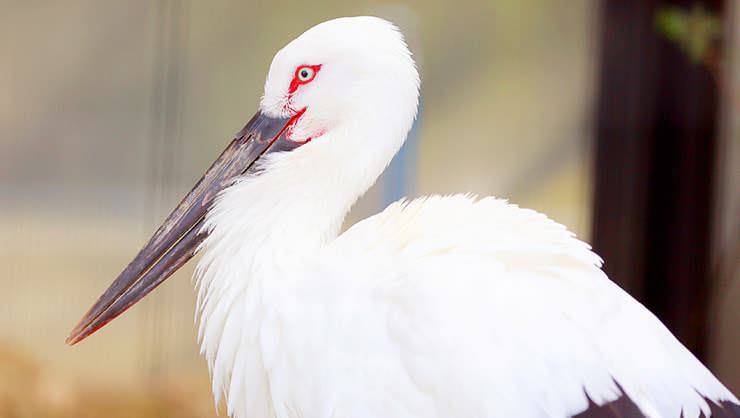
<point x="72" y="339"/>
<point x="77" y="334"/>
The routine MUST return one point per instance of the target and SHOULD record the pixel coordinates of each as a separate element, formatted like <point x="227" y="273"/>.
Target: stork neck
<point x="299" y="200"/>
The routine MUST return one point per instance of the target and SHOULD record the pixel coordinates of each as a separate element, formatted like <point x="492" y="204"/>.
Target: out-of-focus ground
<point x="111" y="111"/>
<point x="27" y="390"/>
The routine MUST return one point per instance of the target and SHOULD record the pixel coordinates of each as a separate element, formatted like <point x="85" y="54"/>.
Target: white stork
<point x="451" y="306"/>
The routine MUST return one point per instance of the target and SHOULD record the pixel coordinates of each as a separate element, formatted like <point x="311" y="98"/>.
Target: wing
<point x="499" y="311"/>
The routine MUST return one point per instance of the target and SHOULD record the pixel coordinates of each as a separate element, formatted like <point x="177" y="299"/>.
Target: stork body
<point x="439" y="307"/>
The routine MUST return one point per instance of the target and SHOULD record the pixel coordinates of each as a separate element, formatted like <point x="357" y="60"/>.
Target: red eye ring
<point x="304" y="74"/>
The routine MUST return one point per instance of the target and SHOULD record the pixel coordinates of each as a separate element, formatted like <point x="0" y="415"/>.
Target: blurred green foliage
<point x="694" y="30"/>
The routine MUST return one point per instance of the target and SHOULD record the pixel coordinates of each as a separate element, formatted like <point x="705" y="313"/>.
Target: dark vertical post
<point x="654" y="164"/>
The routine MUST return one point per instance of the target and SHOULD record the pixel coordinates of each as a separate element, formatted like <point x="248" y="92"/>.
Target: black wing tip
<point x="624" y="407"/>
<point x="722" y="409"/>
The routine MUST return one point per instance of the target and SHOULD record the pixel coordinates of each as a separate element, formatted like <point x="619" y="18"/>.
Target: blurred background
<point x="620" y="119"/>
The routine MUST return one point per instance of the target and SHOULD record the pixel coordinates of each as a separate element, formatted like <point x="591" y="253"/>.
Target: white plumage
<point x="439" y="307"/>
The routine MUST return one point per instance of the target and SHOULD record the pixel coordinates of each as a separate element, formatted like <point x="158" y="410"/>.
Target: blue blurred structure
<point x="399" y="179"/>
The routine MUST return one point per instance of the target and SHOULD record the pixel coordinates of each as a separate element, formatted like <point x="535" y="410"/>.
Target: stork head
<point x="344" y="71"/>
<point x="338" y="103"/>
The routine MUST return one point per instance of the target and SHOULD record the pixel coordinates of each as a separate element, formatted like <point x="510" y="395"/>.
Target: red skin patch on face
<point x="294" y="85"/>
<point x="296" y="82"/>
<point x="291" y="123"/>
<point x="289" y="135"/>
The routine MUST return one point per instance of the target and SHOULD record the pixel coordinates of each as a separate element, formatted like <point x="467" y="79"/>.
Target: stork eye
<point x="303" y="75"/>
<point x="306" y="74"/>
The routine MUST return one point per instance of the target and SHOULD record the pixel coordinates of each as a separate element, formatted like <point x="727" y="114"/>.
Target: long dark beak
<point x="176" y="241"/>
